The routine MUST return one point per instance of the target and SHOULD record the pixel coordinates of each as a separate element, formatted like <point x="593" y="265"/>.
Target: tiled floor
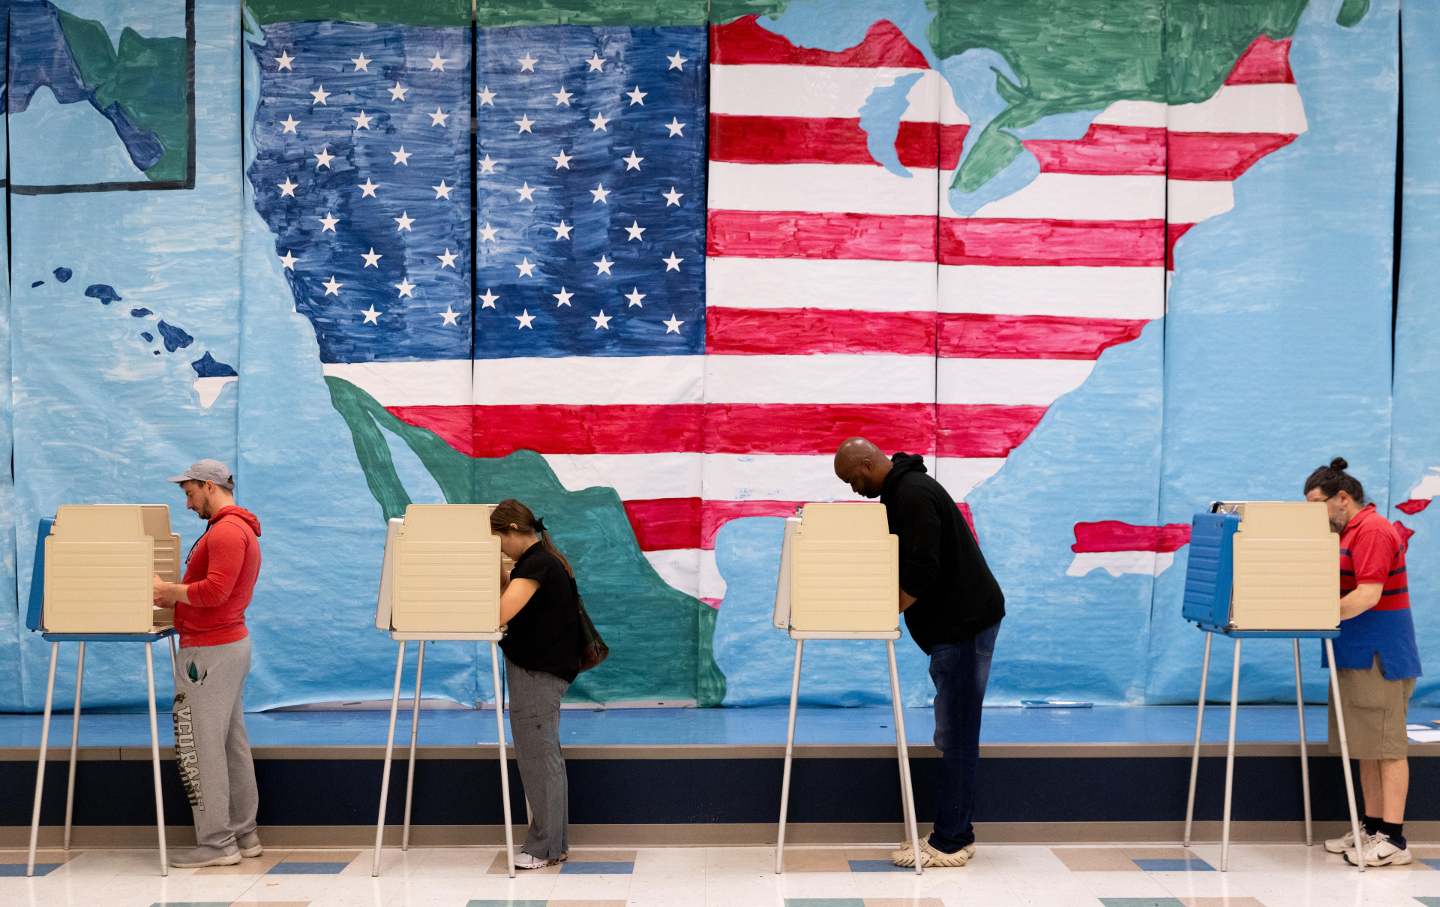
<point x="1000" y="876"/>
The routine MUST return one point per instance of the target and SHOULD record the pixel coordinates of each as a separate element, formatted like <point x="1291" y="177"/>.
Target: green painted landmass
<point x="1352" y="12"/>
<point x="591" y="12"/>
<point x="387" y="12"/>
<point x="1074" y="55"/>
<point x="722" y="11"/>
<point x="147" y="78"/>
<point x="659" y="638"/>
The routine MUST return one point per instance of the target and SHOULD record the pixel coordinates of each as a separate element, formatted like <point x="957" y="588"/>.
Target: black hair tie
<point x="539" y="525"/>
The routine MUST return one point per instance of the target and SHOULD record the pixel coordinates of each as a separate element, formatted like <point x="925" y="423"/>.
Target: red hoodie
<point x="220" y="576"/>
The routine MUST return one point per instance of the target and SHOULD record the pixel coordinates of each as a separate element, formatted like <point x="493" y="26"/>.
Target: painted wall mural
<point x="644" y="265"/>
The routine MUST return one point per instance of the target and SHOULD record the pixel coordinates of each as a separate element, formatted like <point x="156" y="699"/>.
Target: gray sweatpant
<point x="212" y="751"/>
<point x="535" y="727"/>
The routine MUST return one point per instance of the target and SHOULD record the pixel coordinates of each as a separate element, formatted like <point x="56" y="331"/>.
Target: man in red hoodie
<point x="212" y="752"/>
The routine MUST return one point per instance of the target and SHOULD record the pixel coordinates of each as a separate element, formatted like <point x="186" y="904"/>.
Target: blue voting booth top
<point x="35" y="611"/>
<point x="1210" y="576"/>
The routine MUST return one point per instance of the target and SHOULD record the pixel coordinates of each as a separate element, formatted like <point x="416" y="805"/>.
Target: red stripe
<point x="980" y="430"/>
<point x="827" y="140"/>
<point x="1035" y="241"/>
<point x="952" y="430"/>
<point x="1413" y="506"/>
<point x="1032" y="336"/>
<point x="1104" y="150"/>
<point x="744" y="41"/>
<point x="1113" y="535"/>
<point x="800" y="234"/>
<point x="1173" y="232"/>
<point x="731" y="331"/>
<point x="1266" y="61"/>
<point x="1220" y="155"/>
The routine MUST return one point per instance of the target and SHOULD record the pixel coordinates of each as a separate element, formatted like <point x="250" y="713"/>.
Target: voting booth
<point x="439" y="580"/>
<point x="840" y="579"/>
<point x="1261" y="569"/>
<point x="92" y="581"/>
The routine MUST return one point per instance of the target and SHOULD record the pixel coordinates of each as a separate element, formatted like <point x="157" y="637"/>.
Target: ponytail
<point x="510" y="515"/>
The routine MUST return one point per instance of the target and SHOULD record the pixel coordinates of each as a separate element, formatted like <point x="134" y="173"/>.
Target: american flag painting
<point x="682" y="263"/>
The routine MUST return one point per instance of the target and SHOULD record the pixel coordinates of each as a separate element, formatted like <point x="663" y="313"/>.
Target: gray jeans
<point x="212" y="751"/>
<point x="535" y="727"/>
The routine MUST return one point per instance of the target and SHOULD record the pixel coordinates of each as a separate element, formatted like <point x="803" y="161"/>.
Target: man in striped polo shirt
<point x="1377" y="660"/>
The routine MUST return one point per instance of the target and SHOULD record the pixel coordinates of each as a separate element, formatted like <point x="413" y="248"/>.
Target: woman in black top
<point x="539" y="607"/>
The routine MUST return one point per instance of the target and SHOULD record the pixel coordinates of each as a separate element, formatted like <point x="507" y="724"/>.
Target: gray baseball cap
<point x="207" y="471"/>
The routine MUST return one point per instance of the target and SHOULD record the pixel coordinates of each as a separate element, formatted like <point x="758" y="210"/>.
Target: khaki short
<point x="1375" y="713"/>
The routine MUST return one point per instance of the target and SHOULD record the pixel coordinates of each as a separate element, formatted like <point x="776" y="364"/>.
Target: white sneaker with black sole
<point x="1379" y="850"/>
<point x="525" y="860"/>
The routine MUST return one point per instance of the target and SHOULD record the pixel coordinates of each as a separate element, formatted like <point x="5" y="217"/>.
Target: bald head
<point x="862" y="466"/>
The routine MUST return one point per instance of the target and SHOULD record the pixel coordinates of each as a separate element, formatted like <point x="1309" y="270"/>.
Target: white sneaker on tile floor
<point x="524" y="860"/>
<point x="200" y="857"/>
<point x="1379" y="850"/>
<point x="250" y="846"/>
<point x="1340" y="845"/>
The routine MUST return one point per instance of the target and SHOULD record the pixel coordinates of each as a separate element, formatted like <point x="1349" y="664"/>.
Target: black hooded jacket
<point x="956" y="596"/>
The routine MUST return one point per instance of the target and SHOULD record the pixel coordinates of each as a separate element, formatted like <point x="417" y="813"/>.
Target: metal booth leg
<point x="1230" y="760"/>
<point x="789" y="756"/>
<point x="500" y="748"/>
<point x="907" y="791"/>
<point x="1344" y="752"/>
<point x="1199" y="727"/>
<point x="1304" y="746"/>
<point x="389" y="751"/>
<point x="414" y="736"/>
<point x="74" y="742"/>
<point x="155" y="756"/>
<point x="40" y="763"/>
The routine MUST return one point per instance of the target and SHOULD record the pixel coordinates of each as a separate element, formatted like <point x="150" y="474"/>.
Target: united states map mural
<point x="644" y="265"/>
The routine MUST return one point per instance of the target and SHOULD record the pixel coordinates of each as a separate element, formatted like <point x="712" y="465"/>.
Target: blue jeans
<point x="960" y="672"/>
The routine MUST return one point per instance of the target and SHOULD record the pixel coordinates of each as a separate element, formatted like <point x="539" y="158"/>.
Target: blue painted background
<point x="1274" y="357"/>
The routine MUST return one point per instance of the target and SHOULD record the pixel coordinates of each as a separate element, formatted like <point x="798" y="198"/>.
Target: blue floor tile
<point x="301" y="868"/>
<point x="1433" y="864"/>
<point x="824" y="902"/>
<point x="878" y="866"/>
<point x="1142" y="902"/>
<point x="1427" y="901"/>
<point x="1185" y="864"/>
<point x="13" y="870"/>
<point x="597" y="867"/>
<point x="478" y="903"/>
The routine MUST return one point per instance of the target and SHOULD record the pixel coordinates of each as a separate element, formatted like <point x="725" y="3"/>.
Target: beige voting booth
<point x="840" y="579"/>
<point x="1285" y="563"/>
<point x="1282" y="582"/>
<point x="439" y="580"/>
<point x="99" y="560"/>
<point x="96" y="586"/>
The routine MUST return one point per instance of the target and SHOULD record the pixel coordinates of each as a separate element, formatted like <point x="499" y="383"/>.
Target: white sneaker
<point x="200" y="857"/>
<point x="931" y="857"/>
<point x="525" y="860"/>
<point x="1379" y="850"/>
<point x="250" y="846"/>
<point x="1341" y="845"/>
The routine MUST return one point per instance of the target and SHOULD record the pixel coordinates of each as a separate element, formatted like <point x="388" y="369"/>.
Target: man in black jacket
<point x="953" y="607"/>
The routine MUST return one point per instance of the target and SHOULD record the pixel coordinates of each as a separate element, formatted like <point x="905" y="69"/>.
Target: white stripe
<point x="589" y="380"/>
<point x="1080" y="196"/>
<point x="776" y="90"/>
<point x="1192" y="201"/>
<point x="1043" y="290"/>
<point x="208" y="389"/>
<point x="1145" y="563"/>
<point x="802" y="283"/>
<point x="837" y="378"/>
<point x="962" y="475"/>
<point x="633" y="476"/>
<point x="849" y="188"/>
<point x="1428" y="486"/>
<point x="740" y="477"/>
<point x="690" y="571"/>
<point x="1269" y="108"/>
<point x="1273" y="108"/>
<point x="1015" y="382"/>
<point x="443" y="382"/>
